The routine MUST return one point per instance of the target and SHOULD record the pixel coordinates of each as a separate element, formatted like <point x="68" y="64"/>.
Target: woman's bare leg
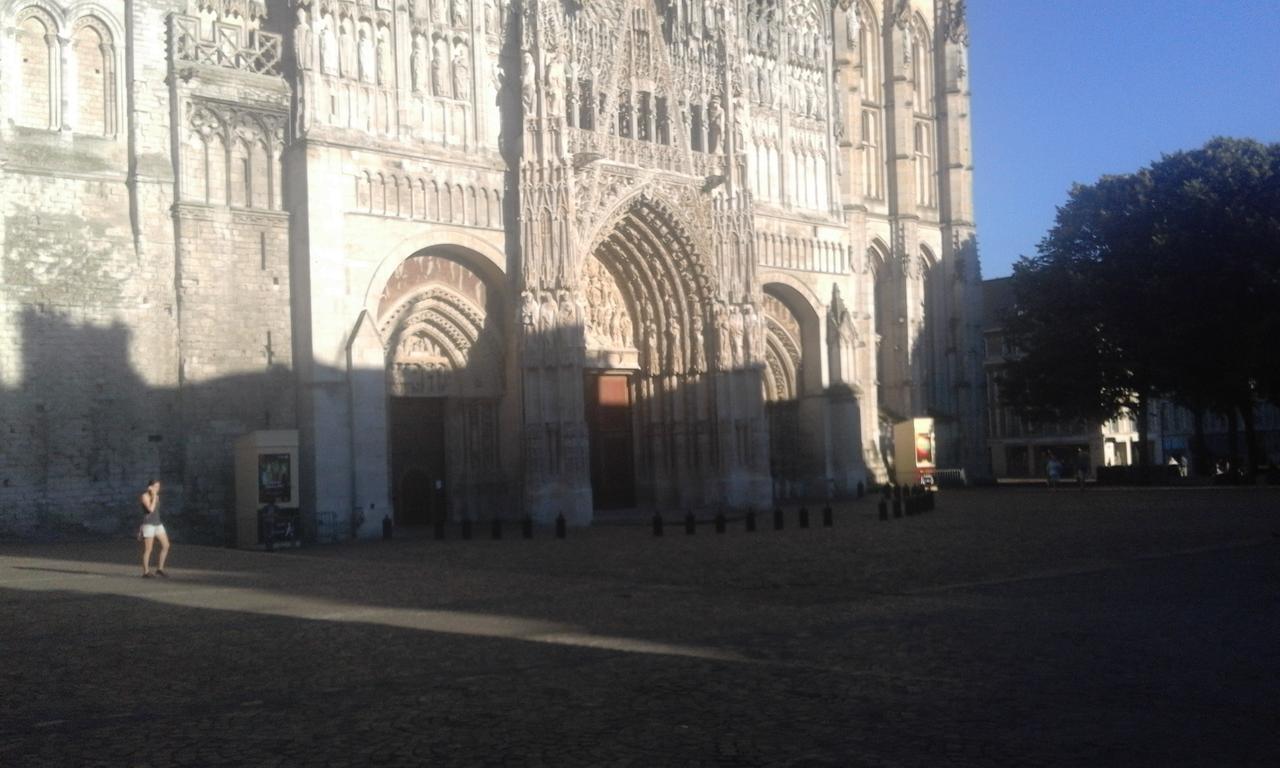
<point x="164" y="548"/>
<point x="146" y="554"/>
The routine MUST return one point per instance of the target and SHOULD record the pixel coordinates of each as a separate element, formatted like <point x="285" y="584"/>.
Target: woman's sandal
<point x="146" y="575"/>
<point x="162" y="573"/>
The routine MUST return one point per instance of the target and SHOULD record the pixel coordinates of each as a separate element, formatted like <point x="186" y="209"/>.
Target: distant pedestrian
<point x="152" y="529"/>
<point x="1082" y="467"/>
<point x="1054" y="469"/>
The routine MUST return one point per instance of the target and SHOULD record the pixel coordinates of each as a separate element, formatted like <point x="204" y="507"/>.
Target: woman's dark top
<point x="150" y="518"/>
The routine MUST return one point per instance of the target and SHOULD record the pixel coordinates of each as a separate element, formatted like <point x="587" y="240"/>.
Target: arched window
<point x="872" y="155"/>
<point x="259" y="176"/>
<point x="37" y="77"/>
<point x="216" y="163"/>
<point x="93" y="62"/>
<point x="872" y="84"/>
<point x="926" y="182"/>
<point x="921" y="69"/>
<point x="923" y="135"/>
<point x="240" y="173"/>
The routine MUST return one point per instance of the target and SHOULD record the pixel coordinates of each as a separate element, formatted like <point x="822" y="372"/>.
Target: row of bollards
<point x="721" y="522"/>
<point x="909" y="500"/>
<point x="495" y="529"/>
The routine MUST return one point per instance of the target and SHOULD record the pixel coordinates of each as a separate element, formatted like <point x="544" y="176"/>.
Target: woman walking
<point x="152" y="529"/>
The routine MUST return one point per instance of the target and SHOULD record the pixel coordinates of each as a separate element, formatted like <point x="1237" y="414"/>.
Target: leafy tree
<point x="1164" y="282"/>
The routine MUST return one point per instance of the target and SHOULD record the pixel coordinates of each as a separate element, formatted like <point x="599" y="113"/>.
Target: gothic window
<point x="663" y="112"/>
<point x="872" y="85"/>
<point x="921" y="69"/>
<point x="216" y="159"/>
<point x="872" y="155"/>
<point x="92" y="57"/>
<point x="586" y="106"/>
<point x="695" y="128"/>
<point x="37" y="54"/>
<point x="379" y="194"/>
<point x="241" y="174"/>
<point x="926" y="183"/>
<point x="644" y="116"/>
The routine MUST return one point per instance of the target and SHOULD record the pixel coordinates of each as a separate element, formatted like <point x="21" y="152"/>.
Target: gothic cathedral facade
<point x="489" y="258"/>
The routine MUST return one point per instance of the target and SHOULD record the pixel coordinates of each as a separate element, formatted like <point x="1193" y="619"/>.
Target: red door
<point x="609" y="424"/>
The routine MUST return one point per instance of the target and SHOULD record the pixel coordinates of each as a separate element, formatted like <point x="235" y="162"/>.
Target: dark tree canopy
<point x="1160" y="283"/>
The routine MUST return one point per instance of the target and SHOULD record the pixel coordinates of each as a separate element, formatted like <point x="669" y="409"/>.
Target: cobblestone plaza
<point x="1010" y="627"/>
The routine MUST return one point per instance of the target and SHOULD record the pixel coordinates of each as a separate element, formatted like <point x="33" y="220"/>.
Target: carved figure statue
<point x="386" y="64"/>
<point x="724" y="353"/>
<point x="461" y="13"/>
<point x="302" y="41"/>
<point x="440" y="67"/>
<point x="365" y="53"/>
<point x="528" y="312"/>
<point x="675" y="356"/>
<point x="715" y="120"/>
<point x="418" y="65"/>
<point x="555" y="84"/>
<point x="652" y="361"/>
<point x="346" y="51"/>
<point x="491" y="17"/>
<point x="328" y="46"/>
<point x="529" y="82"/>
<point x="440" y="12"/>
<point x="697" y="345"/>
<point x="751" y="347"/>
<point x="462" y="72"/>
<point x="737" y="333"/>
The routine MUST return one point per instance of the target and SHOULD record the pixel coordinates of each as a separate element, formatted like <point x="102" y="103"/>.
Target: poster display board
<point x="267" y="511"/>
<point x="914" y="459"/>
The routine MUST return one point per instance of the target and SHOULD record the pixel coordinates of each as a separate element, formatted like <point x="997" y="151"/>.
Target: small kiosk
<point x="913" y="457"/>
<point x="267" y="511"/>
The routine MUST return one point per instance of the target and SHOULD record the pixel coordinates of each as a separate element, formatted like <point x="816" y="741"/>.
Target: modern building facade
<point x="489" y="258"/>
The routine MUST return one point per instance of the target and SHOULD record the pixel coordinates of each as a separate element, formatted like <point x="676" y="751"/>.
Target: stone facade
<point x="489" y="257"/>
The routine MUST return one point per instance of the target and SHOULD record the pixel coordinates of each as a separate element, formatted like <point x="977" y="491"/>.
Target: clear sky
<point x="1069" y="90"/>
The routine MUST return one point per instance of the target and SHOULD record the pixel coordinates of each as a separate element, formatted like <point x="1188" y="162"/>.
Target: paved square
<point x="1009" y="627"/>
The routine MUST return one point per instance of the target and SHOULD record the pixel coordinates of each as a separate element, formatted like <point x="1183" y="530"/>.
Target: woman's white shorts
<point x="149" y="531"/>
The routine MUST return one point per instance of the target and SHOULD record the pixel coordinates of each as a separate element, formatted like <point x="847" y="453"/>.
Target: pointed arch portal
<point x="445" y="349"/>
<point x="649" y="408"/>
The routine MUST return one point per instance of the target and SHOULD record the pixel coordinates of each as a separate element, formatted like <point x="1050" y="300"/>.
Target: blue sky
<point x="1069" y="90"/>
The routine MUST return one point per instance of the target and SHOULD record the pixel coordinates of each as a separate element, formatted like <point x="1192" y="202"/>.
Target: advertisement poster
<point x="274" y="481"/>
<point x="924" y="449"/>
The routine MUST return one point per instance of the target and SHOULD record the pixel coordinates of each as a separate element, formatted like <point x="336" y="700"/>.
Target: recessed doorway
<point x="418" y="459"/>
<point x="610" y="430"/>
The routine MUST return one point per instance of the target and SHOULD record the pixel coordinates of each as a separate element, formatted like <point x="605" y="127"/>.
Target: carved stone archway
<point x="663" y="323"/>
<point x="445" y="348"/>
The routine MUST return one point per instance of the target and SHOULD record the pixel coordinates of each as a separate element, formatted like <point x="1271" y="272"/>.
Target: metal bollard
<point x="884" y="509"/>
<point x="751" y="521"/>
<point x="690" y="524"/>
<point x="495" y="529"/>
<point x="720" y="521"/>
<point x="897" y="506"/>
<point x="828" y="519"/>
<point x="386" y="526"/>
<point x="437" y="530"/>
<point x="862" y="489"/>
<point x="933" y="501"/>
<point x="777" y="518"/>
<point x="466" y="529"/>
<point x="657" y="524"/>
<point x="560" y="526"/>
<point x="804" y="517"/>
<point x="526" y="527"/>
